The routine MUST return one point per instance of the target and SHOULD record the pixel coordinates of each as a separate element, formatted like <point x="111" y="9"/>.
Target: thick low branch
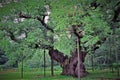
<point x="57" y="56"/>
<point x="76" y="31"/>
<point x="44" y="24"/>
<point x="12" y="36"/>
<point x="116" y="15"/>
<point x="21" y="15"/>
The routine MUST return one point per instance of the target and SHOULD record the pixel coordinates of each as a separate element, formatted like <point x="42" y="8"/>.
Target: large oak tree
<point x="23" y="22"/>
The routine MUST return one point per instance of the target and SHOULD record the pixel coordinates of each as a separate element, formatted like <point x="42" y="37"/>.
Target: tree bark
<point x="52" y="61"/>
<point x="69" y="65"/>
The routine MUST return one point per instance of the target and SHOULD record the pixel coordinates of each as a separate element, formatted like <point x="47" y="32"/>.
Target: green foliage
<point x="95" y="27"/>
<point x="4" y="42"/>
<point x="37" y="60"/>
<point x="9" y="12"/>
<point x="95" y="24"/>
<point x="64" y="44"/>
<point x="65" y="13"/>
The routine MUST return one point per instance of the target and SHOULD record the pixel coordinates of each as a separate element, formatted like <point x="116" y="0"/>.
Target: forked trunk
<point x="70" y="65"/>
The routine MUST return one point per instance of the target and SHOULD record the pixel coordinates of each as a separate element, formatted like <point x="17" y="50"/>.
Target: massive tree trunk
<point x="69" y="65"/>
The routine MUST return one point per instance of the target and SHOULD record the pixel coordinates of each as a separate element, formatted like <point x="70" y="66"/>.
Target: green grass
<point x="37" y="74"/>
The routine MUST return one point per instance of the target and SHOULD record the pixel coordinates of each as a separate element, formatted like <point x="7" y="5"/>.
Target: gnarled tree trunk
<point x="69" y="65"/>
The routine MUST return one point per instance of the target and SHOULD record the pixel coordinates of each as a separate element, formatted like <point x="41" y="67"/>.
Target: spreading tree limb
<point x="21" y="15"/>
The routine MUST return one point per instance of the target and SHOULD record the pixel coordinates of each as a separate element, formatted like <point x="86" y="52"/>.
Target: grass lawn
<point x="37" y="74"/>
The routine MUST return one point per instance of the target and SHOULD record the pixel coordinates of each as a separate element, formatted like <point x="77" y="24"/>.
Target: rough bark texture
<point x="69" y="65"/>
